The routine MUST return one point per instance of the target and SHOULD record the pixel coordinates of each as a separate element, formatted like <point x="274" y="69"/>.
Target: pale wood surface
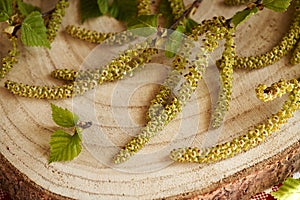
<point x="26" y="124"/>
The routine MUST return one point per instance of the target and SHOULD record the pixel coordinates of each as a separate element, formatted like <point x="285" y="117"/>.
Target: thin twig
<point x="49" y="12"/>
<point x="186" y="13"/>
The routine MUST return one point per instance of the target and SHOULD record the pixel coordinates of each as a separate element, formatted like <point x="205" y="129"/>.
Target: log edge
<point x="19" y="186"/>
<point x="241" y="185"/>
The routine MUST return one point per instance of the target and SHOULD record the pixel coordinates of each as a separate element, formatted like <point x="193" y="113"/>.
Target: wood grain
<point x="26" y="124"/>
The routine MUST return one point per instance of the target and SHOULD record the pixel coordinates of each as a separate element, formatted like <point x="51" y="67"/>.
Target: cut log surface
<point x="117" y="111"/>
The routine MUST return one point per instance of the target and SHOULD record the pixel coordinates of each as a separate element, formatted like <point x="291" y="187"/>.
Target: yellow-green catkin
<point x="286" y="44"/>
<point x="65" y="74"/>
<point x="9" y="60"/>
<point x="218" y="26"/>
<point x="164" y="94"/>
<point x="117" y="70"/>
<point x="125" y="64"/>
<point x="144" y="7"/>
<point x="40" y="92"/>
<point x="55" y="20"/>
<point x="277" y="89"/>
<point x="226" y="78"/>
<point x="120" y="38"/>
<point x="218" y="30"/>
<point x="78" y="87"/>
<point x="84" y="81"/>
<point x="167" y="88"/>
<point x="99" y="37"/>
<point x="295" y="59"/>
<point x="87" y="35"/>
<point x="240" y="144"/>
<point x="236" y="2"/>
<point x="177" y="7"/>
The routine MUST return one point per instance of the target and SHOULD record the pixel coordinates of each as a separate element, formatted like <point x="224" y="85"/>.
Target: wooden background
<point x="119" y="109"/>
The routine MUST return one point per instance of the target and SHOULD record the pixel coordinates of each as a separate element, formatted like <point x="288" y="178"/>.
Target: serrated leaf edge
<point x="72" y="154"/>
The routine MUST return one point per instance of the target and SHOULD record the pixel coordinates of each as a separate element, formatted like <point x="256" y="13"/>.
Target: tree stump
<point x="26" y="124"/>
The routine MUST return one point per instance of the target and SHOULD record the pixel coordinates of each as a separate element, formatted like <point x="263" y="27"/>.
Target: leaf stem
<point x="84" y="125"/>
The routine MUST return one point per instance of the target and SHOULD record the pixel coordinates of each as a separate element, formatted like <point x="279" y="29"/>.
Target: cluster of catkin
<point x="182" y="81"/>
<point x="260" y="132"/>
<point x="253" y="137"/>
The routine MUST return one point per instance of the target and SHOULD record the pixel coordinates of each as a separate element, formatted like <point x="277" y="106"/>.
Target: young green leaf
<point x="26" y="8"/>
<point x="123" y="10"/>
<point x="174" y="42"/>
<point x="63" y="117"/>
<point x="64" y="147"/>
<point x="34" y="30"/>
<point x="243" y="15"/>
<point x="166" y="11"/>
<point x="277" y="5"/>
<point x="5" y="10"/>
<point x="143" y="25"/>
<point x="289" y="190"/>
<point x="114" y="10"/>
<point x="103" y="6"/>
<point x="189" y="25"/>
<point x="89" y="9"/>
